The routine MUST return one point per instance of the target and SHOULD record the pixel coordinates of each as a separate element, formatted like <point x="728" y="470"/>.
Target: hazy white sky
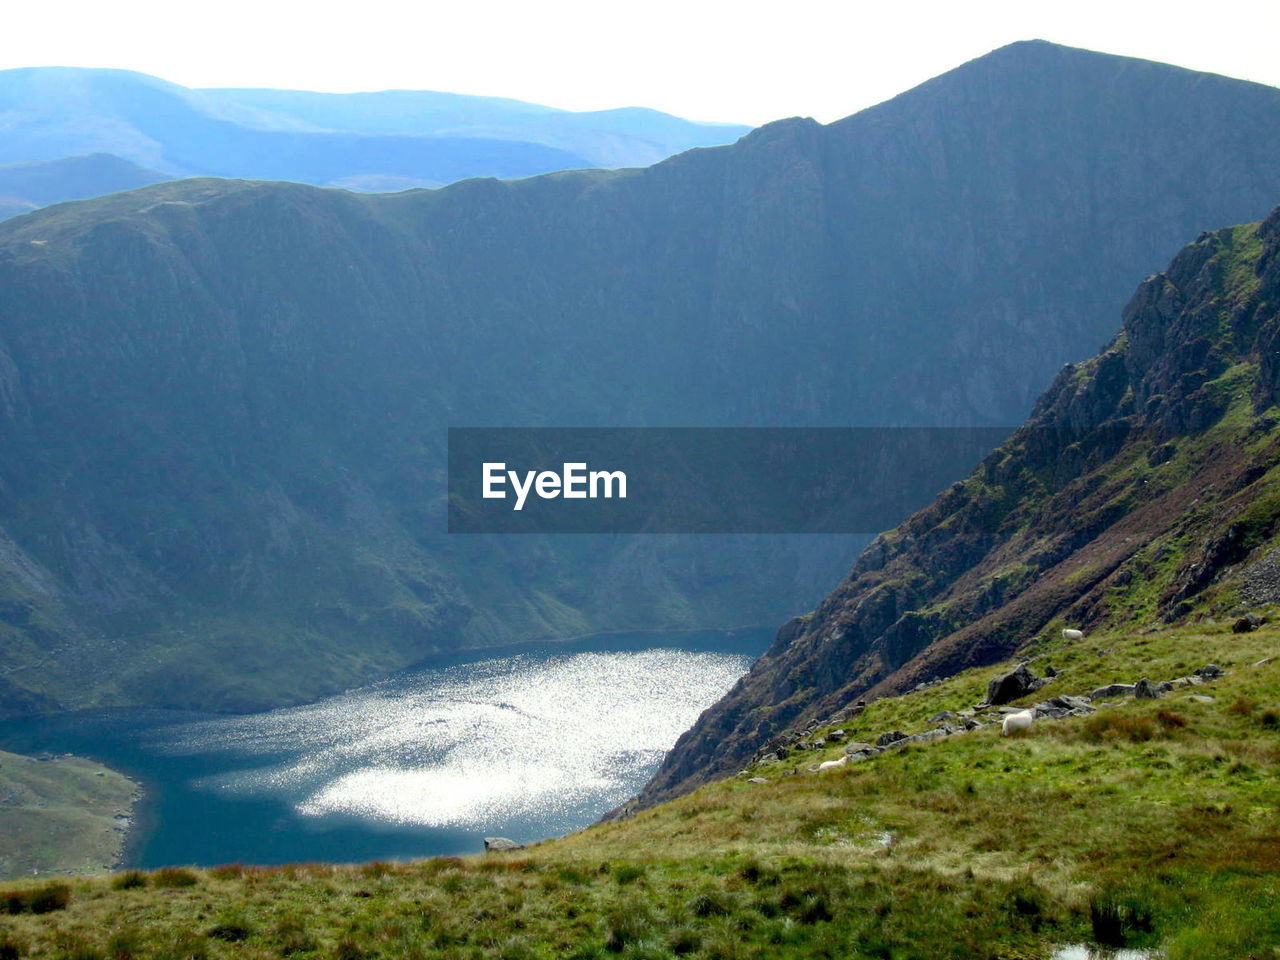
<point x="734" y="60"/>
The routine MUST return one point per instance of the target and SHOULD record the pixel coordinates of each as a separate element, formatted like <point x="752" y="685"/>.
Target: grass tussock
<point x="173" y="878"/>
<point x="42" y="899"/>
<point x="129" y="880"/>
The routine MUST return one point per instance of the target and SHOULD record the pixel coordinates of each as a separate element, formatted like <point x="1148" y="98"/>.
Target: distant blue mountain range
<point x="71" y="133"/>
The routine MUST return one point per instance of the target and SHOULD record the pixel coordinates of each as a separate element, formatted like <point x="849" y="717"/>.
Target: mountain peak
<point x="1041" y="54"/>
<point x="1042" y="80"/>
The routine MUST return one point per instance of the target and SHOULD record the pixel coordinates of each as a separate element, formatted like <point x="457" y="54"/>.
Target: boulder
<point x="1010" y="686"/>
<point x="937" y="733"/>
<point x="847" y="712"/>
<point x="863" y="754"/>
<point x="499" y="844"/>
<point x="1144" y="689"/>
<point x="852" y="748"/>
<point x="756" y="780"/>
<point x="1068" y="702"/>
<point x="893" y="736"/>
<point x="971" y="724"/>
<point x="1199" y="698"/>
<point x="1247" y="624"/>
<point x="1112" y="690"/>
<point x="1047" y="710"/>
<point x="942" y="716"/>
<point x="1210" y="671"/>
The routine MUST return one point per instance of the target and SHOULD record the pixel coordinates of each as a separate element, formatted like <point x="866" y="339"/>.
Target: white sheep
<point x="832" y="764"/>
<point x="1014" y="722"/>
<point x="1072" y="634"/>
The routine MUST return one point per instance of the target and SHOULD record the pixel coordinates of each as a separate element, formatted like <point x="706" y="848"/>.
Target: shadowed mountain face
<point x="374" y="141"/>
<point x="11" y="206"/>
<point x="31" y="185"/>
<point x="221" y="473"/>
<point x="1145" y="487"/>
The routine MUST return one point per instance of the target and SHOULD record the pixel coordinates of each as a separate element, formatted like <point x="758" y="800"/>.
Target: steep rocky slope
<point x="1145" y="487"/>
<point x="223" y="402"/>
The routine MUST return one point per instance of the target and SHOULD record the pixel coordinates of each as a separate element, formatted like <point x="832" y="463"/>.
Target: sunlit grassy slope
<point x="59" y="815"/>
<point x="1147" y="823"/>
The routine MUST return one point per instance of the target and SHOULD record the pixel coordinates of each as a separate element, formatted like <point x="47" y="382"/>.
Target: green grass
<point x="1150" y="823"/>
<point x="58" y="816"/>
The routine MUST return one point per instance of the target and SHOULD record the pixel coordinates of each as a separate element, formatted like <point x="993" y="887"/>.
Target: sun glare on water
<point x="521" y="739"/>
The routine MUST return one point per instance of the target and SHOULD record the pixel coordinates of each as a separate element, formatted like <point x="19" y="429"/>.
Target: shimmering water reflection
<point x="525" y="739"/>
<point x="527" y="745"/>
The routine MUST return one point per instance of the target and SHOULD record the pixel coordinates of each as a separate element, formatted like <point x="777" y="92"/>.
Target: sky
<point x="742" y="61"/>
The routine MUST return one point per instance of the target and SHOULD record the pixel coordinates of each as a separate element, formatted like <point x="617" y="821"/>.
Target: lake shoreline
<point x="66" y="813"/>
<point x="319" y="782"/>
<point x="137" y="826"/>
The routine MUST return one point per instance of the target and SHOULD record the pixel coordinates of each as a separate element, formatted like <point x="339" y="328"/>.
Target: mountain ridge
<point x="375" y="141"/>
<point x="623" y="136"/>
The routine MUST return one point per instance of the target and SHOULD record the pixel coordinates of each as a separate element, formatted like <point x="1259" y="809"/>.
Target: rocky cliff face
<point x="223" y="402"/>
<point x="1144" y="487"/>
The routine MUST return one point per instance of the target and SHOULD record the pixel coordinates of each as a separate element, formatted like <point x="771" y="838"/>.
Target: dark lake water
<point x="525" y="744"/>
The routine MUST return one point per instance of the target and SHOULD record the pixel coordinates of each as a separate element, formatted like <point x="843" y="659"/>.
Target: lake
<point x="524" y="743"/>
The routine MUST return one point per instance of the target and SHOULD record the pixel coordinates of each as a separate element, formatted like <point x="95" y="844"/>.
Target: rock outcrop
<point x="1012" y="686"/>
<point x="1144" y="689"/>
<point x="500" y="845"/>
<point x="1012" y="721"/>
